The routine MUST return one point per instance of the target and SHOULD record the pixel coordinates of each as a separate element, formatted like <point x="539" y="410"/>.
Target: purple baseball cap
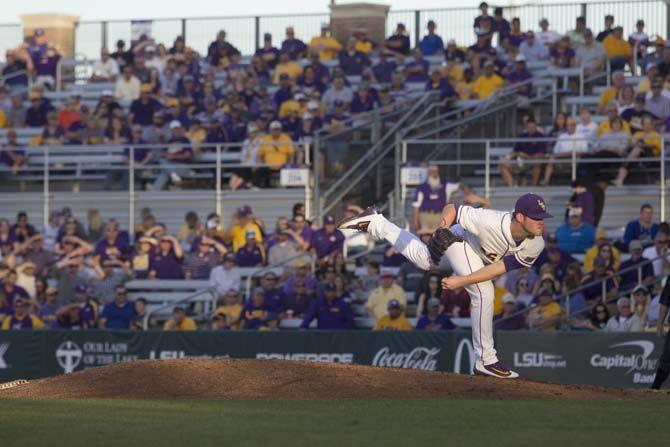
<point x="533" y="206"/>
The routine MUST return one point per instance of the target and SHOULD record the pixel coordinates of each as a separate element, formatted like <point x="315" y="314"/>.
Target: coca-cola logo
<point x="419" y="358"/>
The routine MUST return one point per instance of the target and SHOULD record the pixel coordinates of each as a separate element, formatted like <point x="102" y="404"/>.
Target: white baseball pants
<point x="463" y="260"/>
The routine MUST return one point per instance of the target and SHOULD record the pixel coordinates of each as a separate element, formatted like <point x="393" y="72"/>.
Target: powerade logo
<point x="308" y="357"/>
<point x="418" y="358"/>
<point x="637" y="363"/>
<point x="539" y="360"/>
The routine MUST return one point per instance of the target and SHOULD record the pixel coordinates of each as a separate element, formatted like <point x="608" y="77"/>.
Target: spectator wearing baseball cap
<point x="226" y="276"/>
<point x="245" y="222"/>
<point x="575" y="236"/>
<point x="519" y="74"/>
<point x="394" y="319"/>
<point x="175" y="157"/>
<point x="251" y="254"/>
<point x="600" y="273"/>
<point x="166" y="260"/>
<point x="379" y="299"/>
<point x="48" y="312"/>
<point x="434" y="320"/>
<point x="331" y="312"/>
<point x="397" y="44"/>
<point x="326" y="46"/>
<point x="327" y="241"/>
<point x="268" y="52"/>
<point x="276" y="150"/>
<point x="625" y="320"/>
<point x="179" y="321"/>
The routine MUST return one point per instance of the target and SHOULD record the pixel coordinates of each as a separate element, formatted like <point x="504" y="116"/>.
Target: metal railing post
<point x="554" y="96"/>
<point x="397" y="155"/>
<point x="103" y="34"/>
<point x="308" y="186"/>
<point x="218" y="195"/>
<point x="574" y="164"/>
<point x="583" y="10"/>
<point x="487" y="171"/>
<point x="581" y="80"/>
<point x="402" y="208"/>
<point x="257" y="31"/>
<point x="47" y="204"/>
<point x="183" y="29"/>
<point x="131" y="191"/>
<point x="603" y="290"/>
<point x="417" y="28"/>
<point x="662" y="180"/>
<point x="315" y="178"/>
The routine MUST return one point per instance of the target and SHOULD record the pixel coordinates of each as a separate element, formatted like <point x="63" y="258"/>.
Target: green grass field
<point x="384" y="422"/>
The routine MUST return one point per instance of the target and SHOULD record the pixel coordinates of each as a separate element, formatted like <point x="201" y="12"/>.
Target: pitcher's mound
<point x="228" y="379"/>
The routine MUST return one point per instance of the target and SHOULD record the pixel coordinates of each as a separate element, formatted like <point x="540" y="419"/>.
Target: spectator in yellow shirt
<point x="286" y="65"/>
<point x="612" y="93"/>
<point x="487" y="83"/>
<point x="604" y="249"/>
<point x="276" y="148"/>
<point x="394" y="320"/>
<point x="453" y="70"/>
<point x="363" y="42"/>
<point x="606" y="125"/>
<point x="647" y="142"/>
<point x="618" y="50"/>
<point x="229" y="311"/>
<point x="547" y="314"/>
<point x="464" y="87"/>
<point x="327" y="46"/>
<point x="245" y="222"/>
<point x="179" y="321"/>
<point x="377" y="304"/>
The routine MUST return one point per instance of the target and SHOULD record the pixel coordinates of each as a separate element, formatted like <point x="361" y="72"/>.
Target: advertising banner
<point x="621" y="360"/>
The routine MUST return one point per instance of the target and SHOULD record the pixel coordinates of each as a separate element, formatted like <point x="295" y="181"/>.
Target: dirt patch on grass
<point x="256" y="379"/>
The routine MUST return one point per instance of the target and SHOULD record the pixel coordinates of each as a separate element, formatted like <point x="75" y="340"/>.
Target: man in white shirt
<point x="150" y="59"/>
<point x="660" y="247"/>
<point x="128" y="86"/>
<point x="567" y="143"/>
<point x="226" y="276"/>
<point x="587" y="128"/>
<point x="106" y="69"/>
<point x="625" y="320"/>
<point x="591" y="55"/>
<point x="546" y="36"/>
<point x="533" y="49"/>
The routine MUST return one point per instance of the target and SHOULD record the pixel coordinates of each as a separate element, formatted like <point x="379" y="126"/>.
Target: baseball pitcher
<point x="479" y="245"/>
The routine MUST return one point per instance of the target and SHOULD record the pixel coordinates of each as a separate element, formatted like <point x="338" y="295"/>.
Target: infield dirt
<point x="259" y="379"/>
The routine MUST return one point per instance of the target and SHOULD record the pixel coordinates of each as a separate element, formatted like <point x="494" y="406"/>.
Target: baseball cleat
<point x="497" y="369"/>
<point x="360" y="221"/>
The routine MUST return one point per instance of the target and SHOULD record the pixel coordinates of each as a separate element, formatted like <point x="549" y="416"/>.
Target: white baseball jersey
<point x="488" y="233"/>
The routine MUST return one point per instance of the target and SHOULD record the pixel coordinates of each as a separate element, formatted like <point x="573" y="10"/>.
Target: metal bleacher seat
<point x="576" y="102"/>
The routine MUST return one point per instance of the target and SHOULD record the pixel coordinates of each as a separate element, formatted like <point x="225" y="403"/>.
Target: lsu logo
<point x="541" y="204"/>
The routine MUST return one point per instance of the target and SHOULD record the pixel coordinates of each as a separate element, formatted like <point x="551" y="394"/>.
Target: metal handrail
<point x="268" y="268"/>
<point x="364" y="159"/>
<point x="210" y="290"/>
<point x="581" y="287"/>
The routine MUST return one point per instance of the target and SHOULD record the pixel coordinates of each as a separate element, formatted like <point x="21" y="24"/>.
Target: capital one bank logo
<point x="69" y="355"/>
<point x="464" y="348"/>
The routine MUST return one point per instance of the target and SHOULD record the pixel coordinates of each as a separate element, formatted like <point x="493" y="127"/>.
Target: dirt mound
<point x="229" y="379"/>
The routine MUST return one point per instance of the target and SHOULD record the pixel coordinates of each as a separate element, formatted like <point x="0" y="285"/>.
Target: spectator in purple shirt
<point x="353" y="62"/>
<point x="309" y="82"/>
<point x="520" y="74"/>
<point x="142" y="109"/>
<point x="114" y="245"/>
<point x="165" y="263"/>
<point x="582" y="198"/>
<point x="48" y="312"/>
<point x="285" y="91"/>
<point x="256" y="314"/>
<point x="269" y="53"/>
<point x="220" y="50"/>
<point x="327" y="242"/>
<point x="383" y="71"/>
<point x="302" y="227"/>
<point x="434" y="320"/>
<point x="45" y="60"/>
<point x="416" y="70"/>
<point x="509" y="319"/>
<point x="10" y="290"/>
<point x="562" y="56"/>
<point x="447" y="92"/>
<point x="12" y="154"/>
<point x="363" y="100"/>
<point x="295" y="48"/>
<point x="528" y="149"/>
<point x="303" y="274"/>
<point x="251" y="254"/>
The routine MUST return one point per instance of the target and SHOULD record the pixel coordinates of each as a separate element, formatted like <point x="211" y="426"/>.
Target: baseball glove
<point x="441" y="239"/>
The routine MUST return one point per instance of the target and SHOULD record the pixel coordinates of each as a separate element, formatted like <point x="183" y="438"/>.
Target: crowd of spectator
<point x="71" y="274"/>
<point x="173" y="95"/>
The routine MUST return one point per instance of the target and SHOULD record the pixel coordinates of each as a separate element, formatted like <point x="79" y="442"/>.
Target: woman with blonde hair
<point x="96" y="227"/>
